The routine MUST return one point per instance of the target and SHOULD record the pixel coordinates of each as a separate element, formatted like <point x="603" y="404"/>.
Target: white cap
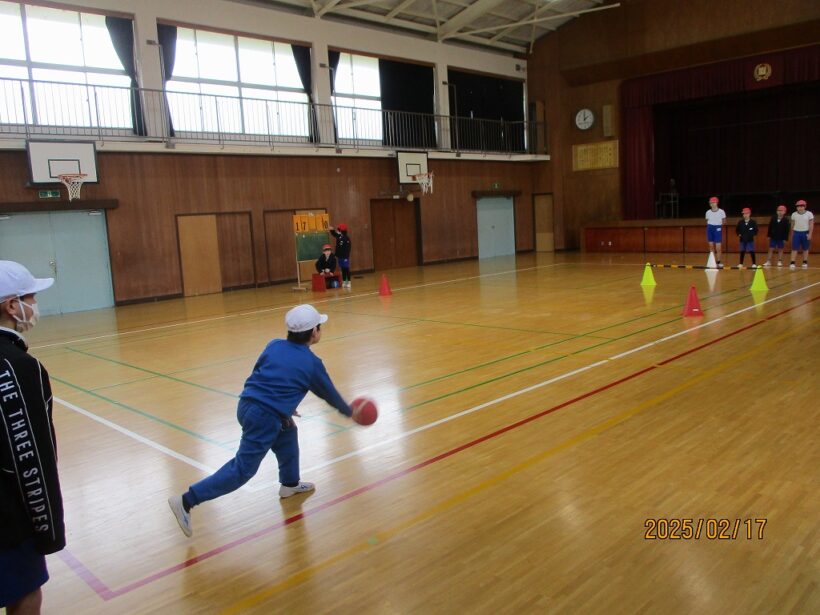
<point x="303" y="318"/>
<point x="17" y="281"/>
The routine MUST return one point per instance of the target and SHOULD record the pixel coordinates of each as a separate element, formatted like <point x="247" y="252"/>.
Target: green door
<point x="71" y="247"/>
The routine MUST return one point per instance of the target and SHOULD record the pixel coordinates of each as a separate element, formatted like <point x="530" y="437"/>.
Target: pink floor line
<point x="104" y="592"/>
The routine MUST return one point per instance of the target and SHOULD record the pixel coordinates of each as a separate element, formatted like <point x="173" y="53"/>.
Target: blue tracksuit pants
<point x="262" y="431"/>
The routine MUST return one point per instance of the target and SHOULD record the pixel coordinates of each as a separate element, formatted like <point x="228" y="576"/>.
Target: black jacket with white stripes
<point x="31" y="505"/>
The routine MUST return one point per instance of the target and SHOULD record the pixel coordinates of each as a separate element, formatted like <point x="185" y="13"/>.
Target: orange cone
<point x="384" y="289"/>
<point x="692" y="304"/>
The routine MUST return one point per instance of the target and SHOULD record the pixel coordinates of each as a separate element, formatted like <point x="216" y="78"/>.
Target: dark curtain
<point x="722" y="129"/>
<point x="167" y="36"/>
<point x="489" y="112"/>
<point x="407" y="95"/>
<point x="637" y="154"/>
<point x="749" y="147"/>
<point x="302" y="57"/>
<point x="121" y="31"/>
<point x="333" y="62"/>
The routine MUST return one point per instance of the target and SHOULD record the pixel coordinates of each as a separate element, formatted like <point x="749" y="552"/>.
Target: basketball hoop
<point x="74" y="183"/>
<point x="425" y="180"/>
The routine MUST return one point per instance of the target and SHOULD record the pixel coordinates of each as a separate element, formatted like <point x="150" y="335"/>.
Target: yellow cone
<point x="648" y="278"/>
<point x="759" y="283"/>
<point x="648" y="294"/>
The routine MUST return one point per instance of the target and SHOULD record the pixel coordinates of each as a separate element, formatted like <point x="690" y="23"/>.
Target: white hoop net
<point x="425" y="180"/>
<point x="74" y="183"/>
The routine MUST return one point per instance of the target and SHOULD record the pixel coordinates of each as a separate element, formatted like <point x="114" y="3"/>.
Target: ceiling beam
<point x="399" y="9"/>
<point x="450" y="27"/>
<point x="419" y="27"/>
<point x="329" y="5"/>
<point x="532" y="21"/>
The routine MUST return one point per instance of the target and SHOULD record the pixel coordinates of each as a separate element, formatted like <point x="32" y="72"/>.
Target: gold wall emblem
<point x="763" y="71"/>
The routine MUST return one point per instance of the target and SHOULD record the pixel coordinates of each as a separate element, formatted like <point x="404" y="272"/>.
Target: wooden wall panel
<point x="664" y="239"/>
<point x="235" y="249"/>
<point x="199" y="255"/>
<point x="695" y="239"/>
<point x="383" y="225"/>
<point x="582" y="65"/>
<point x="280" y="245"/>
<point x="152" y="189"/>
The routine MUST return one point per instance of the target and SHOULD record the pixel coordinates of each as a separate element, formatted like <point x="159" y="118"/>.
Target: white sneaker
<point x="792" y="266"/>
<point x="753" y="266"/>
<point x="286" y="492"/>
<point x="779" y="263"/>
<point x="767" y="264"/>
<point x="805" y="265"/>
<point x="740" y="266"/>
<point x="183" y="518"/>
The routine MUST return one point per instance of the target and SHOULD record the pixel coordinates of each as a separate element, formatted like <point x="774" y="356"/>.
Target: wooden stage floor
<point x="552" y="439"/>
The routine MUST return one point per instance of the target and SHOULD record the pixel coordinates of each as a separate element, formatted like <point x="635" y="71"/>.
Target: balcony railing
<point x="106" y="113"/>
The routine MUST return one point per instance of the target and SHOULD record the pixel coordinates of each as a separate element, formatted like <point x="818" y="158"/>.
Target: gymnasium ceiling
<point x="505" y="25"/>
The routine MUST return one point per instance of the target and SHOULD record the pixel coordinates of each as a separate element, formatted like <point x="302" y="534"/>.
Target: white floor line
<point x="260" y="485"/>
<point x="136" y="436"/>
<point x="281" y="307"/>
<point x="529" y="389"/>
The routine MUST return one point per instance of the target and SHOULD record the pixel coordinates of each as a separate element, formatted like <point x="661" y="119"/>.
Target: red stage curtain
<point x="638" y="157"/>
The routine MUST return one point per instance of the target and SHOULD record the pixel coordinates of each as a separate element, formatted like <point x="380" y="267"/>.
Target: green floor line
<point x="153" y="373"/>
<point x="142" y="413"/>
<point x="540" y="364"/>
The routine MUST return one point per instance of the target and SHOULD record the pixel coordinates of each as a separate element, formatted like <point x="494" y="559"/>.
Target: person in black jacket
<point x="326" y="265"/>
<point x="778" y="235"/>
<point x="746" y="230"/>
<point x="342" y="251"/>
<point x="31" y="504"/>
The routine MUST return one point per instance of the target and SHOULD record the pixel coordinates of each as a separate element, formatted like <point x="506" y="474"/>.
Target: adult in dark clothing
<point x="746" y="230"/>
<point x="31" y="504"/>
<point x="778" y="235"/>
<point x="342" y="251"/>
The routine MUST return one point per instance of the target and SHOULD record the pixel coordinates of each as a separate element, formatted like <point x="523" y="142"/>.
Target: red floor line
<point x="106" y="593"/>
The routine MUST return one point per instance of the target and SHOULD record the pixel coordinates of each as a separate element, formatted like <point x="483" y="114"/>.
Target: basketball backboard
<point x="50" y="159"/>
<point x="410" y="164"/>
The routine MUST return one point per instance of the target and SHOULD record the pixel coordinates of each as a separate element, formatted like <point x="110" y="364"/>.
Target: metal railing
<point x="107" y="113"/>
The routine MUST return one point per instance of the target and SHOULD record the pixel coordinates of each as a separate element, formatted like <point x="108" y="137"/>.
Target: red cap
<point x="326" y="247"/>
<point x="714" y="199"/>
<point x="800" y="203"/>
<point x="746" y="210"/>
<point x="781" y="208"/>
<point x="342" y="227"/>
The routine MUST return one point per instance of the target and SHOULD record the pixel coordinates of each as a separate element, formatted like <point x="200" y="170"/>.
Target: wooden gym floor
<point x="540" y="417"/>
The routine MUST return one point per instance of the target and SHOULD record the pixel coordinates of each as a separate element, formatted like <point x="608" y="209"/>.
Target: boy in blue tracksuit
<point x="284" y="373"/>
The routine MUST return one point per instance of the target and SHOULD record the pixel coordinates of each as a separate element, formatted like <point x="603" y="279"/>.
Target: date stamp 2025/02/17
<point x="711" y="528"/>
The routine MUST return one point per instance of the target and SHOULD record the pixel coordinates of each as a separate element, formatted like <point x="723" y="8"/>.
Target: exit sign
<point x="496" y="185"/>
<point x="49" y="194"/>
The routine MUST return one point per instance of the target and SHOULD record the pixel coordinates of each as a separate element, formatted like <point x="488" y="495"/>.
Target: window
<point x="235" y="84"/>
<point x="357" y="98"/>
<point x="79" y="82"/>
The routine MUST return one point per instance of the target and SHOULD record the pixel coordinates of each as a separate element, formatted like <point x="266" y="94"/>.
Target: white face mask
<point x="27" y="324"/>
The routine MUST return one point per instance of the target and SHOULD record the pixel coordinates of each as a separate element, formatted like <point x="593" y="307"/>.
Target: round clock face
<point x="584" y="119"/>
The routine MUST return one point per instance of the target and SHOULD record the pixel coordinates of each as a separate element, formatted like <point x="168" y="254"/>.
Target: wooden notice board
<point x="600" y="155"/>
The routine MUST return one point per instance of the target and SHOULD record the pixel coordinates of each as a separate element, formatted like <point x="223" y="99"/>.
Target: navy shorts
<point x="714" y="233"/>
<point x="344" y="263"/>
<point x="800" y="240"/>
<point x="777" y="243"/>
<point x="22" y="571"/>
<point x="747" y="246"/>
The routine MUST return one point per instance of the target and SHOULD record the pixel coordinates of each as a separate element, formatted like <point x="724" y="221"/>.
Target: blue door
<point x="71" y="247"/>
<point x="496" y="227"/>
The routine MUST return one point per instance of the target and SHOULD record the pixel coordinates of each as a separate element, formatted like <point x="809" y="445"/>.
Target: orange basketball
<point x="365" y="411"/>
